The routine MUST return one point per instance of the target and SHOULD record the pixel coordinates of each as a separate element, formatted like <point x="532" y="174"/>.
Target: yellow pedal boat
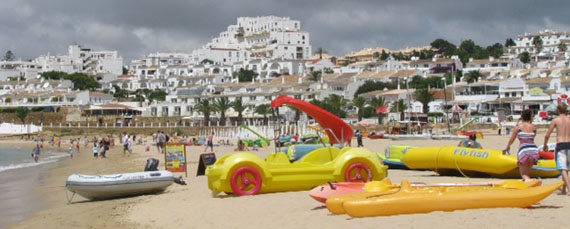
<point x="472" y="162"/>
<point x="406" y="199"/>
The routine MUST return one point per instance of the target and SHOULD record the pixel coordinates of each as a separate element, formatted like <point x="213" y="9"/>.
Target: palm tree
<point x="320" y="51"/>
<point x="22" y="113"/>
<point x="315" y="76"/>
<point x="378" y="102"/>
<point x="424" y="96"/>
<point x="263" y="109"/>
<point x="336" y="102"/>
<point x="400" y="106"/>
<point x="472" y="76"/>
<point x="204" y="107"/>
<point x="222" y="105"/>
<point x="239" y="107"/>
<point x="562" y="47"/>
<point x="537" y="42"/>
<point x="359" y="103"/>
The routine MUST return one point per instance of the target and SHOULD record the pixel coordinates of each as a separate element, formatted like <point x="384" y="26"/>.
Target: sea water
<point x="20" y="175"/>
<point x="14" y="157"/>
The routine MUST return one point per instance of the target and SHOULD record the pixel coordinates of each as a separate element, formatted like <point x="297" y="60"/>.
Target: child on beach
<point x="71" y="152"/>
<point x="36" y="153"/>
<point x="528" y="152"/>
<point x="95" y="151"/>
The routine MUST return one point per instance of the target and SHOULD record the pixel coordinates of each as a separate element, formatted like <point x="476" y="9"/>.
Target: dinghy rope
<point x="454" y="159"/>
<point x="67" y="197"/>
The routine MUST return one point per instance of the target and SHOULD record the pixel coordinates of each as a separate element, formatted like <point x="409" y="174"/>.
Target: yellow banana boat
<point x="472" y="162"/>
<point x="385" y="186"/>
<point x="410" y="200"/>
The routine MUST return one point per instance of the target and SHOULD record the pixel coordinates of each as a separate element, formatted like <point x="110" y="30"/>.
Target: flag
<point x="382" y="110"/>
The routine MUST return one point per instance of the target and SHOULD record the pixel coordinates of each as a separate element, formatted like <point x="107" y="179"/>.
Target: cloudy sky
<point x="136" y="27"/>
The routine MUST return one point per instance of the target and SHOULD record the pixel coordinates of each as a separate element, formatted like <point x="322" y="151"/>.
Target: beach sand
<point x="192" y="206"/>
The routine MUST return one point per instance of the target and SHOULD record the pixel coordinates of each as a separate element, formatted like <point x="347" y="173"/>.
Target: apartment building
<point x="550" y="41"/>
<point x="257" y="37"/>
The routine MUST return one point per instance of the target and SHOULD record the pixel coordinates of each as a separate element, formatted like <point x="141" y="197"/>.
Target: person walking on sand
<point x="210" y="143"/>
<point x="36" y="153"/>
<point x="160" y="141"/>
<point x="528" y="152"/>
<point x="126" y="143"/>
<point x="562" y="151"/>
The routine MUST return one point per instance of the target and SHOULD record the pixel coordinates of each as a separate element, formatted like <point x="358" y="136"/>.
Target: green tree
<point x="537" y="42"/>
<point x="22" y="113"/>
<point x="463" y="55"/>
<point x="239" y="107"/>
<point x="472" y="76"/>
<point x="53" y="75"/>
<point x="376" y="103"/>
<point x="222" y="105"/>
<point x="264" y="110"/>
<point x="525" y="57"/>
<point x="120" y="93"/>
<point x="206" y="61"/>
<point x="424" y="96"/>
<point x="562" y="47"/>
<point x="359" y="103"/>
<point x="82" y="81"/>
<point x="9" y="56"/>
<point x="315" y="76"/>
<point x="337" y="103"/>
<point x="443" y="47"/>
<point x="370" y="85"/>
<point x="495" y="50"/>
<point x="509" y="42"/>
<point x="206" y="109"/>
<point x="384" y="55"/>
<point x="469" y="46"/>
<point x="328" y="71"/>
<point x="400" y="106"/>
<point x="158" y="95"/>
<point x="244" y="75"/>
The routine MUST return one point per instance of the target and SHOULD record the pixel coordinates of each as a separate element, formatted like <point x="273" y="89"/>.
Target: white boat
<point x="449" y="137"/>
<point x="408" y="136"/>
<point x="117" y="185"/>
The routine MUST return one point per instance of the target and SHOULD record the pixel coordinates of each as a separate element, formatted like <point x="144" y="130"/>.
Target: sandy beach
<point x="192" y="206"/>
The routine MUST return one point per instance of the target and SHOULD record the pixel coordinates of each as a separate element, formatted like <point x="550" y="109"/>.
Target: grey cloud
<point x="136" y="27"/>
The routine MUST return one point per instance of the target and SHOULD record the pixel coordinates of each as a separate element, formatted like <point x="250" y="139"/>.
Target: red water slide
<point x="325" y="119"/>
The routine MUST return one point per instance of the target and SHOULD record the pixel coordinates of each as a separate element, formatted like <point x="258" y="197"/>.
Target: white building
<point x="257" y="37"/>
<point x="550" y="41"/>
<point x="17" y="69"/>
<point x="83" y="60"/>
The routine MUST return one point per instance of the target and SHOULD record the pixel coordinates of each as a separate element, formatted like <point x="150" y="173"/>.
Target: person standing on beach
<point x="160" y="141"/>
<point x="359" y="139"/>
<point x="562" y="151"/>
<point x="528" y="152"/>
<point x="210" y="143"/>
<point x="36" y="153"/>
<point x="77" y="143"/>
<point x="86" y="140"/>
<point x="126" y="144"/>
<point x="71" y="148"/>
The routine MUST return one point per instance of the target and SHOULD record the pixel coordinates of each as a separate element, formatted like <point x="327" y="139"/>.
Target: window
<point x="252" y="98"/>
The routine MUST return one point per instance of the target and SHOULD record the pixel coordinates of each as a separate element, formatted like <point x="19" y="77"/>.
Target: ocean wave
<point x="49" y="159"/>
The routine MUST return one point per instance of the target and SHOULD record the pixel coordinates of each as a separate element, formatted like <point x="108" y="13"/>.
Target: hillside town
<point x="234" y="77"/>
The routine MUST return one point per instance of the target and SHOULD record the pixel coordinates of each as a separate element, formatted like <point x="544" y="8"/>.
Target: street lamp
<point x="445" y="99"/>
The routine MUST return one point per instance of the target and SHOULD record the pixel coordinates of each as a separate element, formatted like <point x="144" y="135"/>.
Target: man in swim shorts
<point x="562" y="151"/>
